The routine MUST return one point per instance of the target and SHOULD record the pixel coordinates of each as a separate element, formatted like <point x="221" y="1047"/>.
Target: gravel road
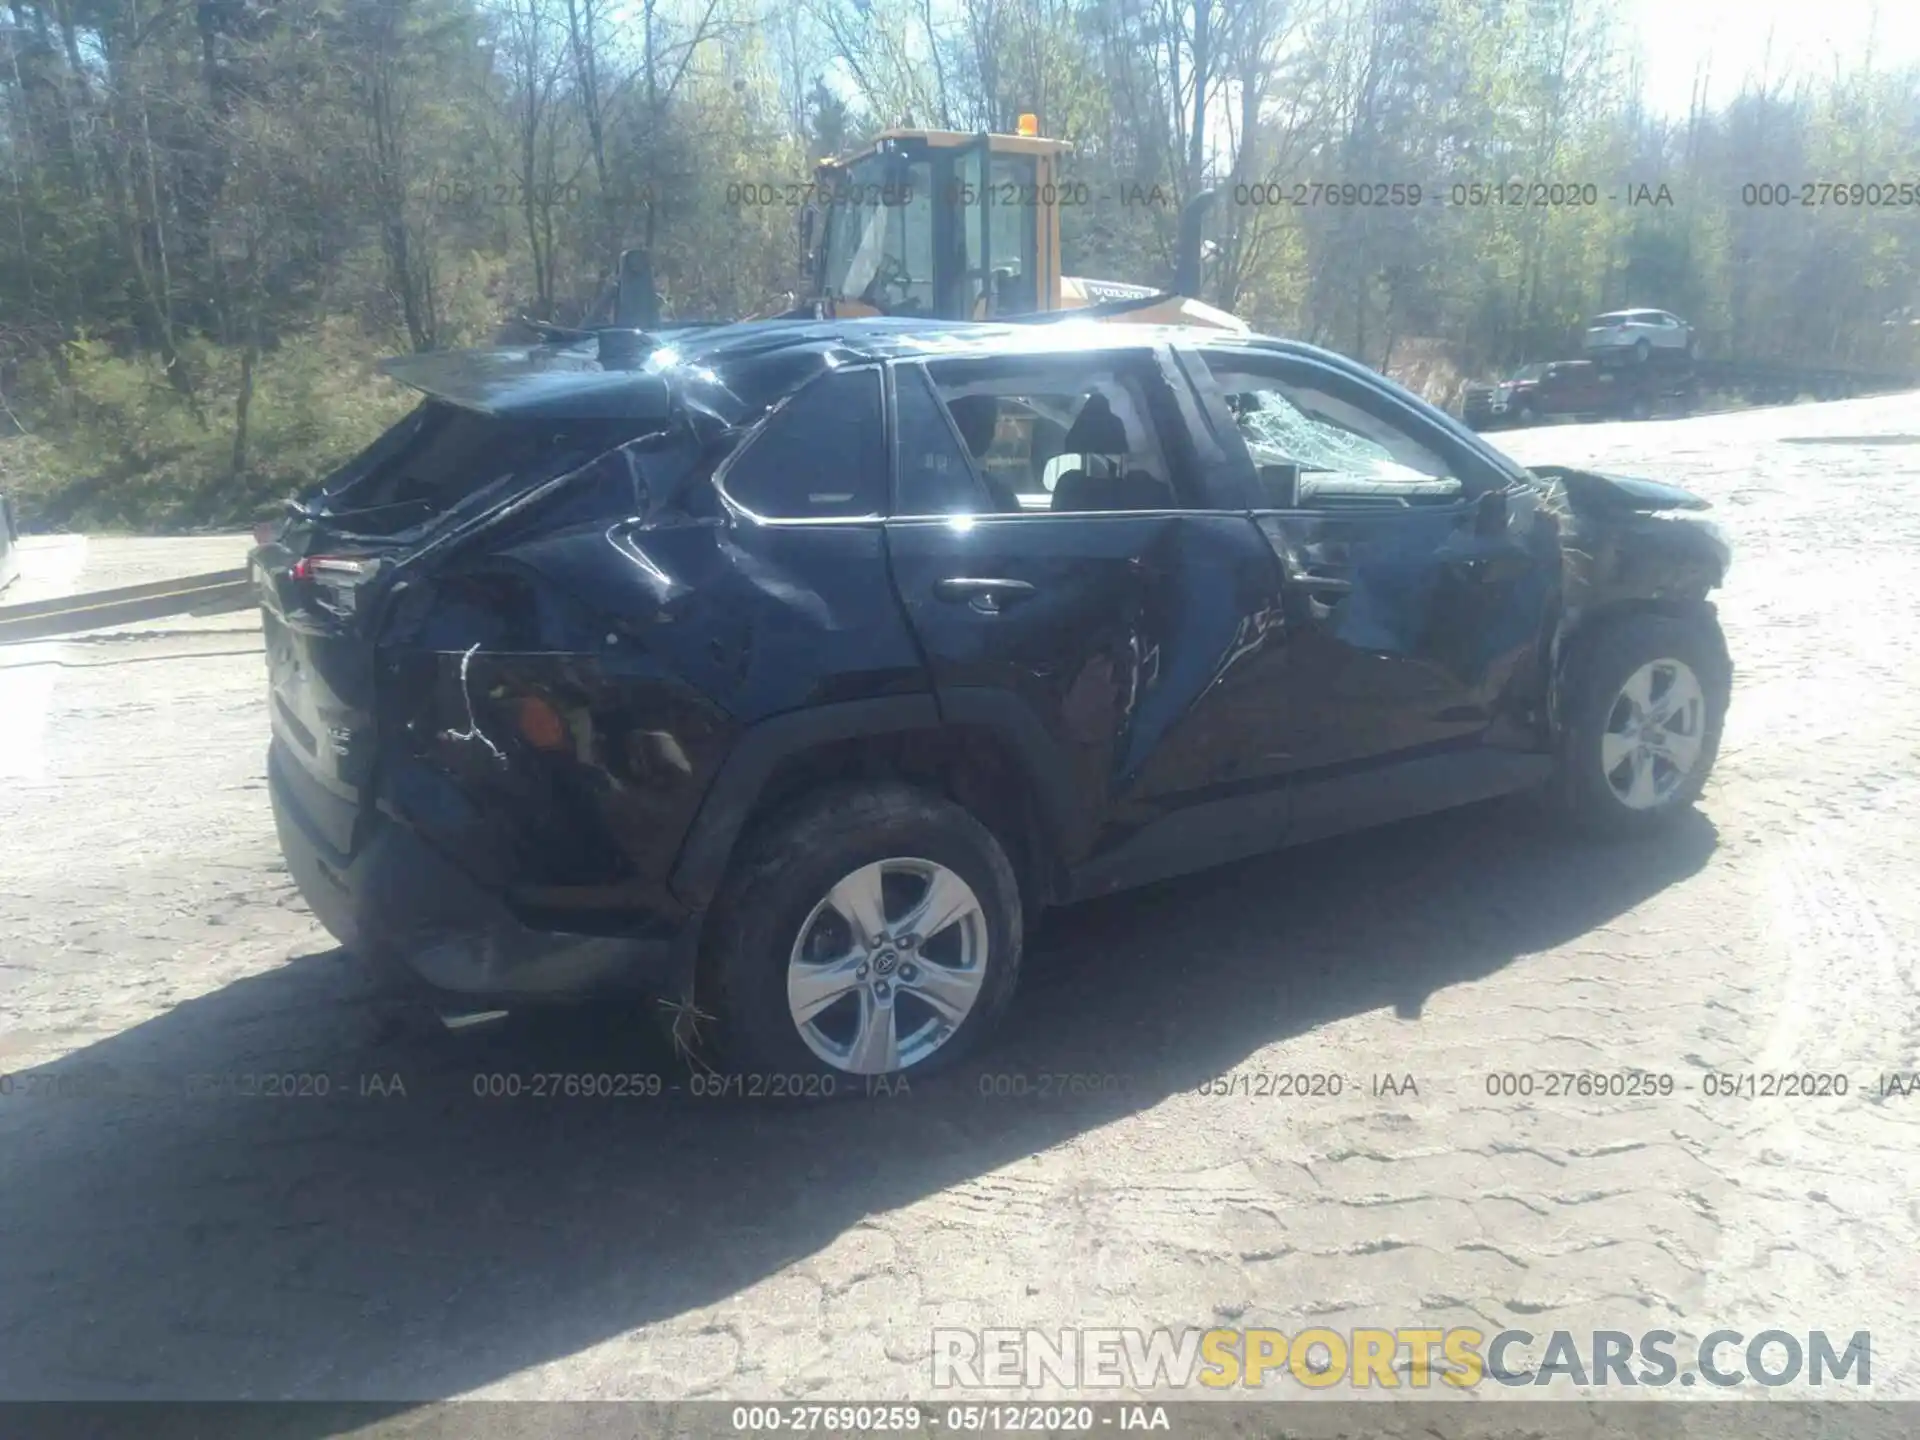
<point x="157" y="1241"/>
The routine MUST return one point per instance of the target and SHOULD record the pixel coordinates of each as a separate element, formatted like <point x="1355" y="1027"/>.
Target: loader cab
<point x="939" y="224"/>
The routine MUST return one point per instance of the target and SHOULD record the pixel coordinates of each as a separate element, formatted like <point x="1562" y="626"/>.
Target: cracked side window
<point x="1310" y="438"/>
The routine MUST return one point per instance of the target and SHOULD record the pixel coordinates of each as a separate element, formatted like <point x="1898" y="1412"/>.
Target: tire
<point x="1658" y="648"/>
<point x="775" y="907"/>
<point x="1640" y="409"/>
<point x="1641" y="350"/>
<point x="1526" y="415"/>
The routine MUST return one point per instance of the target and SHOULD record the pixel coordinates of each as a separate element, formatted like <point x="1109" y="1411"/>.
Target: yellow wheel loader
<point x="967" y="227"/>
<point x="956" y="226"/>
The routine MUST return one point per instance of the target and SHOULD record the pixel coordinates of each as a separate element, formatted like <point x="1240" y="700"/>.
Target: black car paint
<point x="1180" y="687"/>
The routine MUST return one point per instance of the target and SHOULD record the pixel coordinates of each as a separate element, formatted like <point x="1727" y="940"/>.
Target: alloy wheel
<point x="1654" y="734"/>
<point x="887" y="966"/>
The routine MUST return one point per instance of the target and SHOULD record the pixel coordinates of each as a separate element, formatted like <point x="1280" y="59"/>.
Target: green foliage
<point x="111" y="447"/>
<point x="213" y="219"/>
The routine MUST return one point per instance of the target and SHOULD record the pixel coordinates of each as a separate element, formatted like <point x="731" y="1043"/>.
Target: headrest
<point x="1095" y="431"/>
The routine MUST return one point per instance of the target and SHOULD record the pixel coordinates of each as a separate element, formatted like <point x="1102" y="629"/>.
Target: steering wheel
<point x="889" y="273"/>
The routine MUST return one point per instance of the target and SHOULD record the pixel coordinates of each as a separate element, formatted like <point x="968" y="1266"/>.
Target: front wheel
<point x="1643" y="722"/>
<point x="872" y="933"/>
<point x="1642" y="348"/>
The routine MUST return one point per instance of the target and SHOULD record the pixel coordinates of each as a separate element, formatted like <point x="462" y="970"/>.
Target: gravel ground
<point x="160" y="1242"/>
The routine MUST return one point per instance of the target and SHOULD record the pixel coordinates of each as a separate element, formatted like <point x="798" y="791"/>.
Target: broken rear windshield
<point x="443" y="460"/>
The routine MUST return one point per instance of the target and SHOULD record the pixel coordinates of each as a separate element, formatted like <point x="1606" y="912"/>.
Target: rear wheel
<point x="1644" y="717"/>
<point x="874" y="932"/>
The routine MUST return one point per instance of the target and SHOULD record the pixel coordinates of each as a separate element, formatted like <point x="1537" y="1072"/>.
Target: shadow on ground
<point x="197" y="1246"/>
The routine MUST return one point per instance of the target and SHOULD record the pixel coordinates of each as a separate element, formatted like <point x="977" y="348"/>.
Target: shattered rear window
<point x="443" y="459"/>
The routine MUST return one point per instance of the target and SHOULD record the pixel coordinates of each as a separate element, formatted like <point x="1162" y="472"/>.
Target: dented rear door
<point x="1121" y="651"/>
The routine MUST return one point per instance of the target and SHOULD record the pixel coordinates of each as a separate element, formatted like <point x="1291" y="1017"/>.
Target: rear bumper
<point x="400" y="900"/>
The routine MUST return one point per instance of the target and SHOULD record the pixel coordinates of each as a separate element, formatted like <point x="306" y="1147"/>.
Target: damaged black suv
<point x="785" y="670"/>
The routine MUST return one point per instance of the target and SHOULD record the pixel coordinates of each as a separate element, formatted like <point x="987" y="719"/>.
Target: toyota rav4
<point x="786" y="670"/>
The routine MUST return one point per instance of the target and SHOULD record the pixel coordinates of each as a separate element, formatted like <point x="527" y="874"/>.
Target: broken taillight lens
<point x="332" y="569"/>
<point x="541" y="724"/>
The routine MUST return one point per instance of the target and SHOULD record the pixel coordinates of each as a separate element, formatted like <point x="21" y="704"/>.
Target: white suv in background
<point x="1639" y="331"/>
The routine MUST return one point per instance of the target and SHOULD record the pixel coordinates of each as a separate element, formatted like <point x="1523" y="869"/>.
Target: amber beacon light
<point x="1028" y="124"/>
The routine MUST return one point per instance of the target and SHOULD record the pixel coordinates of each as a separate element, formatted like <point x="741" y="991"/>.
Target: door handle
<point x="988" y="596"/>
<point x="1320" y="584"/>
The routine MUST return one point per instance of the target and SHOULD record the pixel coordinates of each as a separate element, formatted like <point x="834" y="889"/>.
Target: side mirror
<point x="635" y="305"/>
<point x="1490" y="516"/>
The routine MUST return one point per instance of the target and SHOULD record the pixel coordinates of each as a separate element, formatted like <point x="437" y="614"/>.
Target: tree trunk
<point x="243" y="402"/>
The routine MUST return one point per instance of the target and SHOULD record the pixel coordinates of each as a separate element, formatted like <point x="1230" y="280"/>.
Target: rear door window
<point x="1075" y="432"/>
<point x="820" y="456"/>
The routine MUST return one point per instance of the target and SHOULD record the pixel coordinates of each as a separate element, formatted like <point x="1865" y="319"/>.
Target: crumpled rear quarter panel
<point x="657" y="646"/>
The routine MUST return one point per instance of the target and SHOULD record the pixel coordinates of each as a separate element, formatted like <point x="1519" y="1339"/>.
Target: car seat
<point x="1096" y="432"/>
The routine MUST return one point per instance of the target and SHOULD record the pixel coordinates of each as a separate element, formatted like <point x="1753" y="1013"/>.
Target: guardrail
<point x="217" y="592"/>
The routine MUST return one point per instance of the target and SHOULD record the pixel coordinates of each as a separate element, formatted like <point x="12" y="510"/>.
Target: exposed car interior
<point x="1062" y="453"/>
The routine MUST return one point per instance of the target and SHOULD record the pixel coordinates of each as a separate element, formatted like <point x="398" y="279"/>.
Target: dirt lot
<point x="157" y="1240"/>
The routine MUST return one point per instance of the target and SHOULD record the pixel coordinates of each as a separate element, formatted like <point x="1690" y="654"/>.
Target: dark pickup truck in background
<point x="1582" y="389"/>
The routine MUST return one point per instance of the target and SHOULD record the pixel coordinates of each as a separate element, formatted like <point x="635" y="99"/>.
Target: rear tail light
<point x="333" y="569"/>
<point x="541" y="724"/>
